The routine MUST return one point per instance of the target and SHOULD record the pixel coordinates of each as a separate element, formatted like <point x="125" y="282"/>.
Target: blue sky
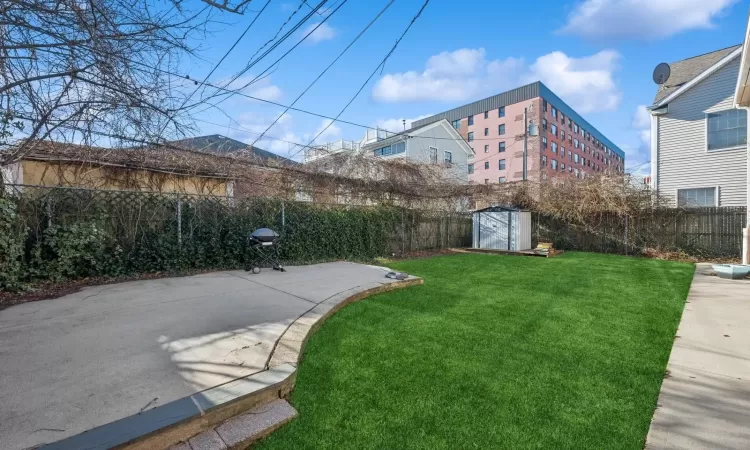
<point x="597" y="55"/>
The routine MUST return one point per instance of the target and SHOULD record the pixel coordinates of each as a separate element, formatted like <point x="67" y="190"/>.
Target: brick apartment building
<point x="566" y="143"/>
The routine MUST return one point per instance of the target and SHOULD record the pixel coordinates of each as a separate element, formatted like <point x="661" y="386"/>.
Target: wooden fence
<point x="699" y="232"/>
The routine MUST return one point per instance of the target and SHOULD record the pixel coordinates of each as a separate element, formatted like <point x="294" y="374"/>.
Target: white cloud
<point x="328" y="131"/>
<point x="324" y="33"/>
<point x="642" y="19"/>
<point x="587" y="83"/>
<point x="448" y="76"/>
<point x="397" y="125"/>
<point x="638" y="158"/>
<point x="262" y="88"/>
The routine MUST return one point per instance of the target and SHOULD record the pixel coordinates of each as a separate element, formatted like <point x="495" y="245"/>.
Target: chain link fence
<point x="74" y="232"/>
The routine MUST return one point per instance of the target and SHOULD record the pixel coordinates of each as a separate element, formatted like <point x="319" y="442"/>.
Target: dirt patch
<point x="48" y="290"/>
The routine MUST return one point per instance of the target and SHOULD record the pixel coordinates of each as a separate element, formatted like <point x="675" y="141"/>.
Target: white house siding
<point x="683" y="161"/>
<point x="418" y="148"/>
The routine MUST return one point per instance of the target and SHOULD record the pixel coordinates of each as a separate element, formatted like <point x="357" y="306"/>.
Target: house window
<point x="471" y="120"/>
<point x="502" y="164"/>
<point x="554" y="112"/>
<point x="554" y="147"/>
<point x="486" y="114"/>
<point x="554" y="129"/>
<point x="501" y="111"/>
<point x="553" y="164"/>
<point x="486" y="148"/>
<point x="544" y="142"/>
<point x="471" y="136"/>
<point x="433" y="155"/>
<point x="486" y="131"/>
<point x="448" y="158"/>
<point x="501" y="128"/>
<point x="696" y="197"/>
<point x="501" y="147"/>
<point x="501" y="179"/>
<point x="486" y="164"/>
<point x="383" y="151"/>
<point x="471" y="168"/>
<point x="727" y="129"/>
<point x="456" y="124"/>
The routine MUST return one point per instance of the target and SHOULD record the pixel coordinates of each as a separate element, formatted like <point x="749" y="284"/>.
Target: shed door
<point x="493" y="230"/>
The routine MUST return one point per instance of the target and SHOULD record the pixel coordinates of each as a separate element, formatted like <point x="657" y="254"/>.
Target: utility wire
<point x="381" y="65"/>
<point x="325" y="70"/>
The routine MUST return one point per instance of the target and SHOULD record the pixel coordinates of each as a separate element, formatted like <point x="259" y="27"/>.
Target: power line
<point x="381" y="65"/>
<point x="326" y="69"/>
<point x="251" y="64"/>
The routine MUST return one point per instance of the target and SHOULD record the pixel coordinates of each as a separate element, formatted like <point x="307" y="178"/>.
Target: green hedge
<point x="61" y="234"/>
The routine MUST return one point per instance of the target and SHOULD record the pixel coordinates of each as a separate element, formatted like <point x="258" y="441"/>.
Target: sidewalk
<point x="705" y="398"/>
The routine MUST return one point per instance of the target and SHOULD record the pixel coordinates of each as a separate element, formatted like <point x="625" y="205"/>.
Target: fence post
<point x="283" y="217"/>
<point x="179" y="222"/>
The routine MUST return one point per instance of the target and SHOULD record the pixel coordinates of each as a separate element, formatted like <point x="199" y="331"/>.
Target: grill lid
<point x="264" y="235"/>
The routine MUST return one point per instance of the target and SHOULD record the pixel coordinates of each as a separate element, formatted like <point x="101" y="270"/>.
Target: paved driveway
<point x="107" y="352"/>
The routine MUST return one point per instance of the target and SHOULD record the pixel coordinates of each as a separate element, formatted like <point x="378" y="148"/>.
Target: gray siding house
<point x="698" y="135"/>
<point x="436" y="143"/>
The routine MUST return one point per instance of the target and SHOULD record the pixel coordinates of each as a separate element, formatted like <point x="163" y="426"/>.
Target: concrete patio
<point x="705" y="399"/>
<point x="109" y="352"/>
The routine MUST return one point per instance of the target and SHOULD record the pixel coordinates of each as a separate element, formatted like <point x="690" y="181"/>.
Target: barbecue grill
<point x="263" y="250"/>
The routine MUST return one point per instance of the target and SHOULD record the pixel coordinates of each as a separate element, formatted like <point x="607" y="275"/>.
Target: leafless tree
<point x="78" y="70"/>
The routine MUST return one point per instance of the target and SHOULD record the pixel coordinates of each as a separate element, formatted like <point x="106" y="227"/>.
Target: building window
<point x="562" y="119"/>
<point x="553" y="164"/>
<point x="583" y="147"/>
<point x="575" y="158"/>
<point x="471" y="168"/>
<point x="501" y="179"/>
<point x="544" y="160"/>
<point x="544" y="124"/>
<point x="562" y="135"/>
<point x="471" y="136"/>
<point x="554" y="112"/>
<point x="471" y="120"/>
<point x="486" y="181"/>
<point x="501" y="128"/>
<point x="544" y="105"/>
<point x="554" y="147"/>
<point x="486" y="164"/>
<point x="433" y="155"/>
<point x="562" y="151"/>
<point x="570" y="154"/>
<point x="456" y="124"/>
<point x="562" y="166"/>
<point x="696" y="197"/>
<point x="554" y="129"/>
<point x="575" y="143"/>
<point x="544" y="142"/>
<point x="486" y="114"/>
<point x="448" y="158"/>
<point x="727" y="129"/>
<point x="501" y="147"/>
<point x="502" y="164"/>
<point x="501" y="111"/>
<point x="486" y="148"/>
<point x="583" y="161"/>
<point x="575" y="128"/>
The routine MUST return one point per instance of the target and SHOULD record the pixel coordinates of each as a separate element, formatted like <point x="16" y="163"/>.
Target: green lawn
<point x="494" y="352"/>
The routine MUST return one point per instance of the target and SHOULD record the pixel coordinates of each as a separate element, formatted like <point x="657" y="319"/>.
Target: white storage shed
<point x="502" y="228"/>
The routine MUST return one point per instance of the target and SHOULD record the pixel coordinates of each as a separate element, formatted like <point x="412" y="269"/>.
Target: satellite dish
<point x="661" y="73"/>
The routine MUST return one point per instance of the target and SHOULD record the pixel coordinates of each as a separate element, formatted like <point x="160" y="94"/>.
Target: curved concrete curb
<point x="176" y="423"/>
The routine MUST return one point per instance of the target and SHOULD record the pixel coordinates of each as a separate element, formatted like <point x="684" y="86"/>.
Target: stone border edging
<point x="177" y="421"/>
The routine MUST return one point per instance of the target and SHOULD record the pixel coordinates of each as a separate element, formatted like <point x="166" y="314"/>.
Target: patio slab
<point x="705" y="399"/>
<point x="110" y="352"/>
